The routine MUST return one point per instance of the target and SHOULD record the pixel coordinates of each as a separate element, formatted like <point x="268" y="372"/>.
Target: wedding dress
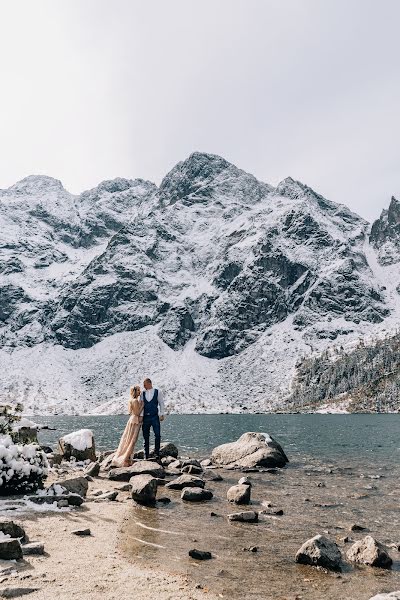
<point x="123" y="455"/>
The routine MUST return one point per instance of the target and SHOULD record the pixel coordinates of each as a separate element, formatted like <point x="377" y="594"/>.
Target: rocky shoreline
<point x="242" y="523"/>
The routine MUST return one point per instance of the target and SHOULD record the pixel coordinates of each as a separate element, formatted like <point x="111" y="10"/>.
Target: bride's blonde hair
<point x="135" y="392"/>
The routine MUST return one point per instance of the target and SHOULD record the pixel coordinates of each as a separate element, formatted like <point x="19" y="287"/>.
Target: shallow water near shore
<point x="343" y="470"/>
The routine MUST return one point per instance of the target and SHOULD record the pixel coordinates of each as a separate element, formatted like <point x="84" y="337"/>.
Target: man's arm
<point x="161" y="404"/>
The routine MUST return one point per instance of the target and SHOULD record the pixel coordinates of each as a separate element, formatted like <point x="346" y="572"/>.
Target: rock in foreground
<point x="141" y="467"/>
<point x="391" y="596"/>
<point x="185" y="480"/>
<point x="319" y="551"/>
<point x="10" y="549"/>
<point x="250" y="450"/>
<point x="196" y="494"/>
<point x="247" y="516"/>
<point x="369" y="552"/>
<point x="239" y="494"/>
<point x="144" y="489"/>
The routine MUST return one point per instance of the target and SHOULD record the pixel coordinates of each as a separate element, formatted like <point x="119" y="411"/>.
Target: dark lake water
<point x="354" y="437"/>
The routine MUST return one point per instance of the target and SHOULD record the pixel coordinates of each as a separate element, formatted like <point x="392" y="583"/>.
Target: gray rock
<point x="185" y="462"/>
<point x="144" y="489"/>
<point x="250" y="450"/>
<point x="81" y="532"/>
<point x="72" y="499"/>
<point x="212" y="476"/>
<point x="93" y="469"/>
<point x="185" y="480"/>
<point x="176" y="464"/>
<point x="10" y="549"/>
<point x="107" y="496"/>
<point x="167" y="449"/>
<point x="12" y="529"/>
<point x="244" y="481"/>
<point x="126" y="487"/>
<point x="16" y="592"/>
<point x="63" y="503"/>
<point x="192" y="469"/>
<point x="167" y="460"/>
<point x="320" y="551"/>
<point x="33" y="548"/>
<point x="75" y="485"/>
<point x="356" y="527"/>
<point x="239" y="494"/>
<point x="247" y="516"/>
<point x="200" y="554"/>
<point x="141" y="467"/>
<point x="369" y="551"/>
<point x="196" y="494"/>
<point x="207" y="462"/>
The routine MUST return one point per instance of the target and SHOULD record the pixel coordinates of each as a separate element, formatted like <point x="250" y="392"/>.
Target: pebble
<point x="81" y="532"/>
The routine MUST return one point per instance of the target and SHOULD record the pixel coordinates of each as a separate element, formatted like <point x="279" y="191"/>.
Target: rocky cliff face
<point x="212" y="263"/>
<point x="385" y="234"/>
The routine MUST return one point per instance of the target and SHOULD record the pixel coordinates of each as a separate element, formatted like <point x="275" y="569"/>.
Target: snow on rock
<point x="214" y="284"/>
<point x="80" y="440"/>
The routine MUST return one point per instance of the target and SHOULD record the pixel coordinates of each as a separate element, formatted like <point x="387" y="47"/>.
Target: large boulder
<point x="79" y="445"/>
<point x="196" y="494"/>
<point x="319" y="551"/>
<point x="184" y="481"/>
<point x="10" y="549"/>
<point x="12" y="529"/>
<point x="144" y="489"/>
<point x="76" y="485"/>
<point x="369" y="551"/>
<point x="250" y="450"/>
<point x="140" y="467"/>
<point x="239" y="494"/>
<point x="166" y="449"/>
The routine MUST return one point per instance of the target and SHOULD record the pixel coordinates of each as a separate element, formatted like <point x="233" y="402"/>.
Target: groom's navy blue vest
<point x="151" y="408"/>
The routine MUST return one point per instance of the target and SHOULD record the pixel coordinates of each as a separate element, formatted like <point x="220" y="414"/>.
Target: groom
<point x="153" y="413"/>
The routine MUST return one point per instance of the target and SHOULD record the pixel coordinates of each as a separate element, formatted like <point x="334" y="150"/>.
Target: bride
<point x="123" y="455"/>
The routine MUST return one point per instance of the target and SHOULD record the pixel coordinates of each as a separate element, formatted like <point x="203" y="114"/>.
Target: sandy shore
<point x="91" y="567"/>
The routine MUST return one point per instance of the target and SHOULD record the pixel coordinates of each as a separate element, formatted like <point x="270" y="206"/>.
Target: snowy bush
<point x="9" y="416"/>
<point x="22" y="467"/>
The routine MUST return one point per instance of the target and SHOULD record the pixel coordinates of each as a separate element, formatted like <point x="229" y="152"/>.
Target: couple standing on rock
<point x="147" y="410"/>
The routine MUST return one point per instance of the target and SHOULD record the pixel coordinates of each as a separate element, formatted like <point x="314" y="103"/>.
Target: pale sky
<point x="96" y="89"/>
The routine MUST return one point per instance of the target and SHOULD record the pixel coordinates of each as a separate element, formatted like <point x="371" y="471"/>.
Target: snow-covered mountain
<point x="214" y="283"/>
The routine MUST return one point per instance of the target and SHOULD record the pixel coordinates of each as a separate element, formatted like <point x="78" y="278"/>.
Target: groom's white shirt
<point x="147" y="395"/>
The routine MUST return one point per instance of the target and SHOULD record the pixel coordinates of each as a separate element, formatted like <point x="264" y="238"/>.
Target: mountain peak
<point x="34" y="184"/>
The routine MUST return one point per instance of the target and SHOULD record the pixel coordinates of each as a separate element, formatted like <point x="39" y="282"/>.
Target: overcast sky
<point x="95" y="89"/>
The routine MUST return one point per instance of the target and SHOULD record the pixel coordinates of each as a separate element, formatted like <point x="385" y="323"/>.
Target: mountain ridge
<point x="211" y="263"/>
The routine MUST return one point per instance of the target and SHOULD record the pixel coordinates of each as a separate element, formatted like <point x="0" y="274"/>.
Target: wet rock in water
<point x="239" y="494"/>
<point x="320" y="551"/>
<point x="164" y="500"/>
<point x="10" y="549"/>
<point x="166" y="449"/>
<point x="185" y="480"/>
<point x="196" y="494"/>
<point x="82" y="532"/>
<point x="76" y="485"/>
<point x="190" y="461"/>
<point x="144" y="489"/>
<point x="78" y="444"/>
<point x="212" y="476"/>
<point x="369" y="551"/>
<point x="250" y="450"/>
<point x="12" y="529"/>
<point x="93" y="469"/>
<point x="33" y="548"/>
<point x="247" y="516"/>
<point x="391" y="596"/>
<point x="141" y="467"/>
<point x="356" y="527"/>
<point x="244" y="481"/>
<point x="200" y="554"/>
<point x="192" y="469"/>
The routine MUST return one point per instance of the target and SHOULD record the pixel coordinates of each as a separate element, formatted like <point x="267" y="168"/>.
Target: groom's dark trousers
<point x="151" y="422"/>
